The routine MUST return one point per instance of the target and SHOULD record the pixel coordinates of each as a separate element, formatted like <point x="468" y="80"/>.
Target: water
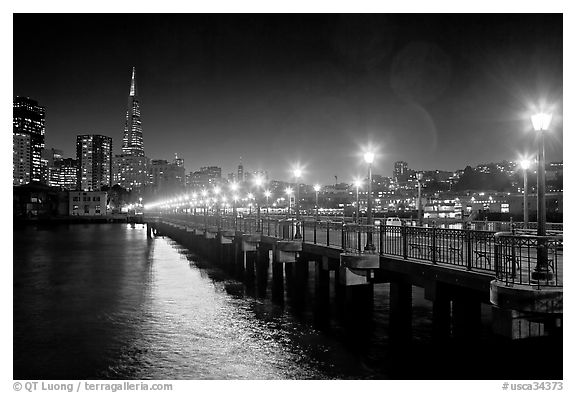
<point x="102" y="301"/>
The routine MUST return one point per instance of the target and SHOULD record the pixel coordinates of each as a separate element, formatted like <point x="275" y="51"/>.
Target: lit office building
<point x="28" y="140"/>
<point x="130" y="169"/>
<point x="67" y="173"/>
<point x="94" y="155"/>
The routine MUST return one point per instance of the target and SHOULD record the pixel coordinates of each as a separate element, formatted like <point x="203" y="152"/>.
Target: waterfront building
<point x="28" y="128"/>
<point x="132" y="166"/>
<point x="94" y="155"/>
<point x="87" y="203"/>
<point x="38" y="200"/>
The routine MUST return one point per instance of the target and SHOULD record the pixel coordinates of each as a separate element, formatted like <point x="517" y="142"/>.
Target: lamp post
<point x="217" y="201"/>
<point x="204" y="195"/>
<point x="234" y="188"/>
<point x="419" y="178"/>
<point x="258" y="183"/>
<point x="358" y="184"/>
<point x="317" y="189"/>
<point x="250" y="198"/>
<point x="288" y="193"/>
<point x="525" y="164"/>
<point x="541" y="122"/>
<point x="369" y="159"/>
<point x="297" y="174"/>
<point x="267" y="194"/>
<point x="194" y="196"/>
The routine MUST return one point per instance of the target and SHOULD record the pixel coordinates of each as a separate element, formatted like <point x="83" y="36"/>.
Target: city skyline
<point x="316" y="103"/>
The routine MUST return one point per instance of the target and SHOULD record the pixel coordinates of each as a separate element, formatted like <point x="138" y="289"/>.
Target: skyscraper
<point x="132" y="143"/>
<point x="240" y="172"/>
<point x="131" y="167"/>
<point x="94" y="155"/>
<point x="28" y="140"/>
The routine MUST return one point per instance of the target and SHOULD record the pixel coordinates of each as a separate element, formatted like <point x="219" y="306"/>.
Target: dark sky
<point x="438" y="91"/>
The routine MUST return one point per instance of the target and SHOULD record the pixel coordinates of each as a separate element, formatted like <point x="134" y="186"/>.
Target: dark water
<point x="104" y="302"/>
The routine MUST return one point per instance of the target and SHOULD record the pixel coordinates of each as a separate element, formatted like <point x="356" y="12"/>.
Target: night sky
<point x="437" y="91"/>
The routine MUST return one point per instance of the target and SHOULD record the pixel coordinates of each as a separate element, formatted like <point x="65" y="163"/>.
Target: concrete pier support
<point x="441" y="312"/>
<point x="238" y="260"/>
<point x="299" y="281"/>
<point x="466" y="316"/>
<point x="262" y="266"/>
<point x="400" y="311"/>
<point x="321" y="315"/>
<point x="322" y="279"/>
<point x="277" y="282"/>
<point x="250" y="266"/>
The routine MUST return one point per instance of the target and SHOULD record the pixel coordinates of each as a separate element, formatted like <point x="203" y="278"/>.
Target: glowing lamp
<point x="541" y="121"/>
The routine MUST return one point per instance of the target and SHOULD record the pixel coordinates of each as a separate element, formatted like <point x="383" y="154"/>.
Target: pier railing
<point x="511" y="257"/>
<point x="529" y="260"/>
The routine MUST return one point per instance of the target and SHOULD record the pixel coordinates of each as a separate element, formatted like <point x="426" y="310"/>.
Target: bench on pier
<point x="428" y="250"/>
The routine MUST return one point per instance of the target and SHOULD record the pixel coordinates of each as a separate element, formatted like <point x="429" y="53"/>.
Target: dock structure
<point x="459" y="269"/>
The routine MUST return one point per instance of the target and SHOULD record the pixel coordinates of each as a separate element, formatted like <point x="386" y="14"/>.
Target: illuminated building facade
<point x="132" y="143"/>
<point x="94" y="155"/>
<point x="400" y="169"/>
<point x="205" y="177"/>
<point x="166" y="177"/>
<point x="67" y="173"/>
<point x="28" y="140"/>
<point x="130" y="169"/>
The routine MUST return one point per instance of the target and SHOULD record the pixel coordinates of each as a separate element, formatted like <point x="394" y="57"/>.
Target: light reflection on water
<point x="102" y="301"/>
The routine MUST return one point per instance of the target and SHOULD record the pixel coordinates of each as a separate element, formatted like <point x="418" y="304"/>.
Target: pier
<point x="459" y="269"/>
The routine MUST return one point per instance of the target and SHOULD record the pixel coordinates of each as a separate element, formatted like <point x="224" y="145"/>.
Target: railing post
<point x="404" y="234"/>
<point x="315" y="225"/>
<point x="303" y="231"/>
<point x="497" y="248"/>
<point x="359" y="238"/>
<point x="343" y="234"/>
<point x="380" y="239"/>
<point x="328" y="233"/>
<point x="468" y="249"/>
<point x="434" y="245"/>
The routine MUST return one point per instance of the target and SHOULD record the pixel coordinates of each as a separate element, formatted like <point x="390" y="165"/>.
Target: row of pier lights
<point x="540" y="122"/>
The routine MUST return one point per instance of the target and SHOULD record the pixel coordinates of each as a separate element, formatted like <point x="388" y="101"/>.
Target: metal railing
<point x="509" y="256"/>
<point x="529" y="260"/>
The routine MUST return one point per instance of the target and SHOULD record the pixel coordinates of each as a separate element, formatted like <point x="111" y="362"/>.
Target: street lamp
<point x="194" y="196"/>
<point x="369" y="159"/>
<point x="217" y="200"/>
<point x="297" y="174"/>
<point x="234" y="188"/>
<point x="525" y="165"/>
<point x="258" y="183"/>
<point x="541" y="122"/>
<point x="288" y="192"/>
<point x="267" y="194"/>
<point x="317" y="189"/>
<point x="204" y="195"/>
<point x="419" y="176"/>
<point x="358" y="184"/>
<point x="250" y="197"/>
